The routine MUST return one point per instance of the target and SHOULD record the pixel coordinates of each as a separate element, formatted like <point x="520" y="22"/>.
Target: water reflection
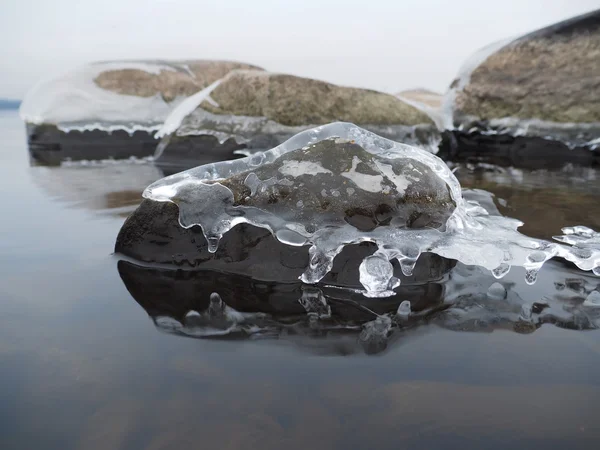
<point x="544" y="200"/>
<point x="209" y="304"/>
<point x="112" y="187"/>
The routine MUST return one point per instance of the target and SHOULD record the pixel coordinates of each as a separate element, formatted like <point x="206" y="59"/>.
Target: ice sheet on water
<point x="471" y="235"/>
<point x="74" y="101"/>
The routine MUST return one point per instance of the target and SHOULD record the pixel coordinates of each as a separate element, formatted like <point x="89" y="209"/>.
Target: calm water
<point x="82" y="366"/>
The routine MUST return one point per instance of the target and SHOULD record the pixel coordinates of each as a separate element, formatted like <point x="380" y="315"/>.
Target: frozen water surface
<point x="470" y="235"/>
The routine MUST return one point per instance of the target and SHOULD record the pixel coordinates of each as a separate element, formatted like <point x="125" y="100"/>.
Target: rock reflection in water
<point x="113" y="187"/>
<point x="203" y="303"/>
<point x="544" y="200"/>
<point x="331" y="320"/>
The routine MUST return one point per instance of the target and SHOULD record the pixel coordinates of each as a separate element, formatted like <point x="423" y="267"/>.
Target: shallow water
<point x="82" y="365"/>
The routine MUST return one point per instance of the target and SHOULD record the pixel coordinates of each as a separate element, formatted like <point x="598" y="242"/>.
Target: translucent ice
<point x="592" y="300"/>
<point x="219" y="196"/>
<point x="374" y="334"/>
<point x="75" y="101"/>
<point x="314" y="303"/>
<point x="404" y="310"/>
<point x="497" y="292"/>
<point x="218" y="319"/>
<point x="377" y="276"/>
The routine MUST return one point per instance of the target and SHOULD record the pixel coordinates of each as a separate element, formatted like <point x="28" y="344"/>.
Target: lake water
<point x="83" y="365"/>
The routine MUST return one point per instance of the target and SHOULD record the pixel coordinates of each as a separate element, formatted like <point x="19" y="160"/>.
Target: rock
<point x="185" y="79"/>
<point x="152" y="234"/>
<point x="340" y="178"/>
<point x="297" y="212"/>
<point x="525" y="152"/>
<point x="295" y="101"/>
<point x="50" y="146"/>
<point x="544" y="84"/>
<point x="111" y="105"/>
<point x="260" y="110"/>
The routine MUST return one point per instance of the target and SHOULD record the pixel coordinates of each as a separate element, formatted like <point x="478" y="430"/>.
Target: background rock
<point x="545" y="84"/>
<point x="260" y="110"/>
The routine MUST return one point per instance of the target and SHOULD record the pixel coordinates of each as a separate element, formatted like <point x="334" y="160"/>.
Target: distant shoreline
<point x="9" y="104"/>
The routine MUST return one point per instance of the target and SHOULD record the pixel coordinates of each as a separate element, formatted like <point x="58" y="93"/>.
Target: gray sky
<point x="389" y="45"/>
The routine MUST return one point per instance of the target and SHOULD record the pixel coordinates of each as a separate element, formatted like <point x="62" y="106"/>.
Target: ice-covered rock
<point x="496" y="291"/>
<point x="339" y="185"/>
<point x="543" y="84"/>
<point x="115" y="95"/>
<point x="118" y="97"/>
<point x="253" y="110"/>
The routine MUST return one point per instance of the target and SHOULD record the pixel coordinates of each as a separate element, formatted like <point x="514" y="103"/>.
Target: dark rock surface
<point x="173" y="293"/>
<point x="152" y="234"/>
<point x="50" y="146"/>
<point x="191" y="151"/>
<point x="517" y="151"/>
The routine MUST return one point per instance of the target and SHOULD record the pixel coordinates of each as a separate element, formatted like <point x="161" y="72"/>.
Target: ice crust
<point x="74" y="102"/>
<point x="471" y="235"/>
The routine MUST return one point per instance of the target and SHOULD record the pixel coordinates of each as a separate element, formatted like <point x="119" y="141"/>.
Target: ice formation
<point x="470" y="235"/>
<point x="218" y="319"/>
<point x="75" y="102"/>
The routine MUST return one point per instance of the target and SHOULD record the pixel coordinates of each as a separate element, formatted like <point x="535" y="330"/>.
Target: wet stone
<point x="384" y="192"/>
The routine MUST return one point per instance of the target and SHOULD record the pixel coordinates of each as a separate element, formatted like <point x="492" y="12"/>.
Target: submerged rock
<point x="252" y="110"/>
<point x="544" y="84"/>
<point x="115" y="106"/>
